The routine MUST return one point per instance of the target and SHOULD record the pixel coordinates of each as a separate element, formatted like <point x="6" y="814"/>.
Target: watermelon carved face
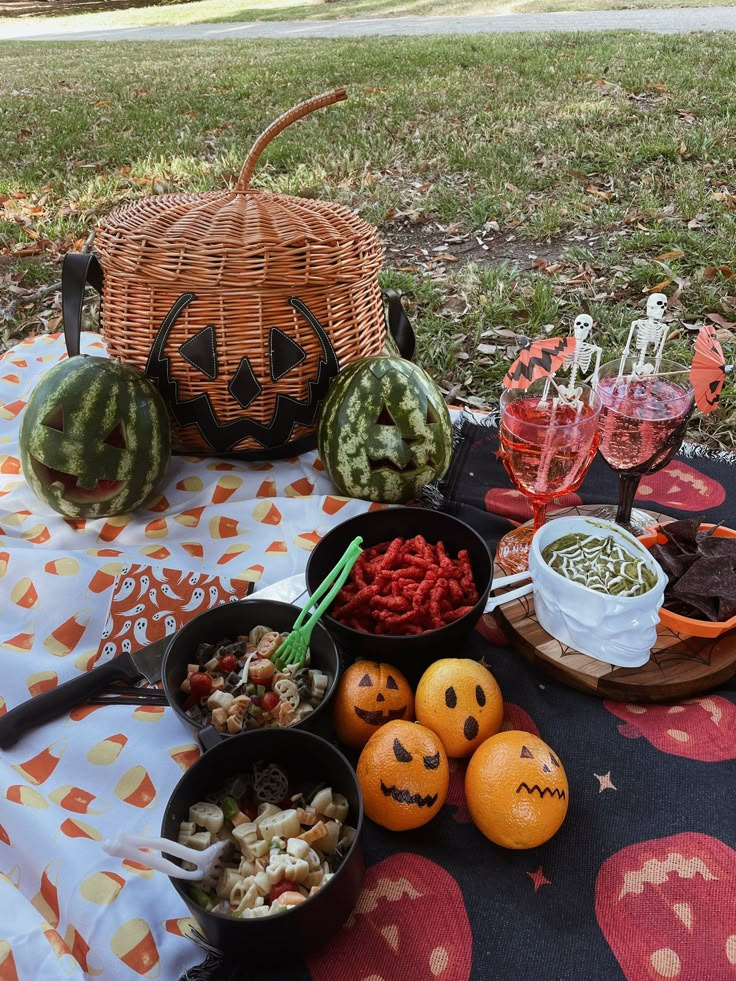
<point x="95" y="438"/>
<point x="385" y="430"/>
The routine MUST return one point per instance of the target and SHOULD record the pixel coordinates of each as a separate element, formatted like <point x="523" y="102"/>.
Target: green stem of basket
<point x="294" y="647"/>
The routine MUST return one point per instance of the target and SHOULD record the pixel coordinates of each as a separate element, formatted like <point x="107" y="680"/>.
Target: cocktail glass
<point x="546" y="448"/>
<point x="642" y="424"/>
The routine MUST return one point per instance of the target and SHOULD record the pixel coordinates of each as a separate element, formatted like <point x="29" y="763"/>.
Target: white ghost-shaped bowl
<point x="619" y="630"/>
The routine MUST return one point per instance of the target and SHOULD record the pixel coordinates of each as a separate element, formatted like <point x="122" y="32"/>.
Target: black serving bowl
<point x="308" y="760"/>
<point x="413" y="653"/>
<point x="230" y="620"/>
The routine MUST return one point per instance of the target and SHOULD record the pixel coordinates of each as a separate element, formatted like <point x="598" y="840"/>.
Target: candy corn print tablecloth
<point x="638" y="884"/>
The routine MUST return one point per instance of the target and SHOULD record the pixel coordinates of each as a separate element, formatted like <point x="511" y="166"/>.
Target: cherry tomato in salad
<point x="228" y="663"/>
<point x="200" y="684"/>
<point x="269" y="701"/>
<point x="286" y="885"/>
<point x="250" y="810"/>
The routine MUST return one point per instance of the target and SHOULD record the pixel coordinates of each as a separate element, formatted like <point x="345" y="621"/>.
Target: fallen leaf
<point x="597" y="193"/>
<point x="713" y="272"/>
<point x="721" y="321"/>
<point x="672" y="254"/>
<point x="697" y="221"/>
<point x="659" y="287"/>
<point x="454" y="306"/>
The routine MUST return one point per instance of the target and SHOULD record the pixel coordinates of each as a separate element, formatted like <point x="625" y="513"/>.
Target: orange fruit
<point x="516" y="790"/>
<point x="370" y="695"/>
<point x="404" y="775"/>
<point x="460" y="700"/>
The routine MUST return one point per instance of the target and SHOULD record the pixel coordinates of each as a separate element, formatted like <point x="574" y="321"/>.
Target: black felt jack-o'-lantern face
<point x="546" y="777"/>
<point x="383" y="697"/>
<point x="285" y="356"/>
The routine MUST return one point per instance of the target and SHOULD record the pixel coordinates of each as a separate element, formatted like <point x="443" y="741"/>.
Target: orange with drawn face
<point x="370" y="695"/>
<point x="460" y="700"/>
<point x="404" y="776"/>
<point x="516" y="790"/>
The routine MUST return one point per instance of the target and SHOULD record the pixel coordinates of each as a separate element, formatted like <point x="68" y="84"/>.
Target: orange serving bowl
<point x="689" y="625"/>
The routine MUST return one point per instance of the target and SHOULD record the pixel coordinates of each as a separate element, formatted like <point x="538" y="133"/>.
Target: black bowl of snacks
<point x="290" y="805"/>
<point x="218" y="671"/>
<point x="415" y="593"/>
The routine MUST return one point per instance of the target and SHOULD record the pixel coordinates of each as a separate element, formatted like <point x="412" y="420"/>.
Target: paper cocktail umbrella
<point x="708" y="371"/>
<point x="540" y="360"/>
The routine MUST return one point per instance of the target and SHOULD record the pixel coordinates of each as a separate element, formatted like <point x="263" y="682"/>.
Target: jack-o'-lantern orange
<point x="369" y="696"/>
<point x="460" y="700"/>
<point x="404" y="775"/>
<point x="516" y="790"/>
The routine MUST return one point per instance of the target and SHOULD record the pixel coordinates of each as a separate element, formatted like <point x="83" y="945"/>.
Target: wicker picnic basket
<point x="241" y="305"/>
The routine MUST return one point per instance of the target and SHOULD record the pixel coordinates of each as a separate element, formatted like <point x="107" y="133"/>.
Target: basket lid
<point x="234" y="238"/>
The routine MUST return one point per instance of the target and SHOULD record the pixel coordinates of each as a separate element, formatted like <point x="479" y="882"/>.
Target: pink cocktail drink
<point x="547" y="450"/>
<point x="638" y="417"/>
<point x="642" y="424"/>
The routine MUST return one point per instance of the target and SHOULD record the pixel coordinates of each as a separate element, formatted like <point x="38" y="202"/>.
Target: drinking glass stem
<point x="540" y="514"/>
<point x="628" y="484"/>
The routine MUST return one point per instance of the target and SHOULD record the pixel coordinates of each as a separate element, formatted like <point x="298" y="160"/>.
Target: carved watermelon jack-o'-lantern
<point x="95" y="438"/>
<point x="385" y="431"/>
<point x="369" y="696"/>
<point x="240" y="305"/>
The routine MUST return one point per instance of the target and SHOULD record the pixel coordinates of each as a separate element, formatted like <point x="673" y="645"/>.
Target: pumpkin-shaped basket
<point x="240" y="305"/>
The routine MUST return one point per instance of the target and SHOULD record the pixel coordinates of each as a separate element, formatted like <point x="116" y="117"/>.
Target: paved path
<point x="672" y="21"/>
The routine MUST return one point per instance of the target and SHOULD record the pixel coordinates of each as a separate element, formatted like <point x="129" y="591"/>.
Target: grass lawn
<point x="215" y="11"/>
<point x="517" y="180"/>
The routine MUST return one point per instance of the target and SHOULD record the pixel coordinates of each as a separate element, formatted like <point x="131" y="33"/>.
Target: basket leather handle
<point x="279" y="124"/>
<point x="78" y="270"/>
<point x="399" y="325"/>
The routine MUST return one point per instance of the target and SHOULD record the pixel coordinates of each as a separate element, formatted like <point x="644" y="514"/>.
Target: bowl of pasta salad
<point x="289" y="805"/>
<point x="219" y="672"/>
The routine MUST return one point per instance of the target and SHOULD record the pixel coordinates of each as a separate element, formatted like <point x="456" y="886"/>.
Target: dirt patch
<point x="60" y="8"/>
<point x="413" y="247"/>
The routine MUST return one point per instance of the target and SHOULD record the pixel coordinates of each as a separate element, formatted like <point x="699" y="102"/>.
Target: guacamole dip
<point x="602" y="564"/>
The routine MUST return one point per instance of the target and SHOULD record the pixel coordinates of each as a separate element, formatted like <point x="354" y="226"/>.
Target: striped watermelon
<point x="384" y="431"/>
<point x="95" y="438"/>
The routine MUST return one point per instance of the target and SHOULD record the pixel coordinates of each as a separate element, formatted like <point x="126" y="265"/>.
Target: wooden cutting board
<point x="679" y="666"/>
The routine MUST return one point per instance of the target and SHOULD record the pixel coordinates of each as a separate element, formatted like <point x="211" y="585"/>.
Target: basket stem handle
<point x="284" y="120"/>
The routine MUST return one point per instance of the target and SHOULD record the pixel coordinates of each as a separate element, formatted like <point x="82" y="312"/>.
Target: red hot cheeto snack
<point x="406" y="586"/>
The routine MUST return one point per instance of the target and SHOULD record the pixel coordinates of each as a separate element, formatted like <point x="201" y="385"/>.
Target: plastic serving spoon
<point x="208" y="862"/>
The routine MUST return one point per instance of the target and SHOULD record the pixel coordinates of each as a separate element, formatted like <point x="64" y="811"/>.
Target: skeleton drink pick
<point x="651" y="331"/>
